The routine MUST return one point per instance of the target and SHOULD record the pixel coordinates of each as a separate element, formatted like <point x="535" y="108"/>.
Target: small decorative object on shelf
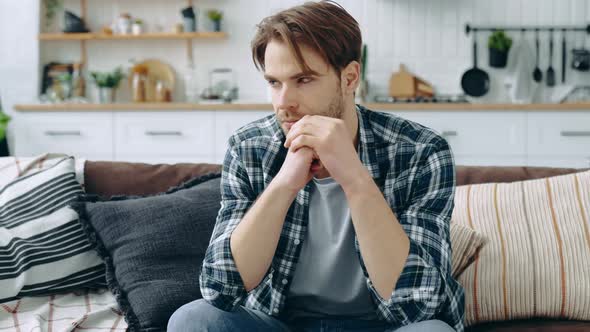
<point x="137" y="27"/>
<point x="73" y="23"/>
<point x="215" y="16"/>
<point x="78" y="82"/>
<point x="51" y="8"/>
<point x="107" y="84"/>
<point x="499" y="44"/>
<point x="189" y="20"/>
<point x="123" y="26"/>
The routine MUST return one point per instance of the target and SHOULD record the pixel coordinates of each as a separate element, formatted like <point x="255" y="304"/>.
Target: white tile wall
<point x="426" y="35"/>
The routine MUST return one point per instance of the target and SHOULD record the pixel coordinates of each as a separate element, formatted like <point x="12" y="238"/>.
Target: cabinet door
<point x="227" y="122"/>
<point x="558" y="161"/>
<point x="86" y="135"/>
<point x="477" y="133"/>
<point x="174" y="135"/>
<point x="559" y="134"/>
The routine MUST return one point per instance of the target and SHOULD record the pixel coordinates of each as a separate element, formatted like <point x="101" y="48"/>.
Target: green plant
<point x="108" y="79"/>
<point x="51" y="8"/>
<point x="4" y="119"/>
<point x="215" y="15"/>
<point x="138" y="21"/>
<point x="500" y="41"/>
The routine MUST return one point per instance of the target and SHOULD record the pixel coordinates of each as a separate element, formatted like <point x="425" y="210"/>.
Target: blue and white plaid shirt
<point x="414" y="169"/>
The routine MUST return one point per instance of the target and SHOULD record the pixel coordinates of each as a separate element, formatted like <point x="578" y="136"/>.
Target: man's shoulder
<point x="265" y="127"/>
<point x="393" y="130"/>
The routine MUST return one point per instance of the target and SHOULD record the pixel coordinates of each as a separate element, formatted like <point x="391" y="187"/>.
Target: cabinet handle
<point x="163" y="133"/>
<point x="567" y="133"/>
<point x="449" y="133"/>
<point x="63" y="133"/>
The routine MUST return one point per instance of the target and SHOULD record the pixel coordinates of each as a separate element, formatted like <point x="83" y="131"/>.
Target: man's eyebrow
<point x="294" y="77"/>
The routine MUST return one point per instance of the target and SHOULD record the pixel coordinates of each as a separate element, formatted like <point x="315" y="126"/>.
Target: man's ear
<point x="350" y="77"/>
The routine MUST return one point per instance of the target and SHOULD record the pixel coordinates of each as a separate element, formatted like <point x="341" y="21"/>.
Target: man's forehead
<point x="281" y="60"/>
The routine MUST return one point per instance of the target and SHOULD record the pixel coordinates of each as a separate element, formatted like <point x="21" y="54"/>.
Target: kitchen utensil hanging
<point x="475" y="82"/>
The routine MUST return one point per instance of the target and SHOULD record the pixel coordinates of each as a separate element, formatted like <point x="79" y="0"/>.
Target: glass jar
<point x="139" y="83"/>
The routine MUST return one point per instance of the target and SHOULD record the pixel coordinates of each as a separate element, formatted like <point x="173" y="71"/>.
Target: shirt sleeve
<point x="420" y="291"/>
<point x="220" y="282"/>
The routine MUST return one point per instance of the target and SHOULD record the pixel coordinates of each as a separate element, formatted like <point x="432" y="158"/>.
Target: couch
<point x="120" y="178"/>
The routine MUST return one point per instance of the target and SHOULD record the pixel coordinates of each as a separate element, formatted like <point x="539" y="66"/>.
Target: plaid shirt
<point x="414" y="169"/>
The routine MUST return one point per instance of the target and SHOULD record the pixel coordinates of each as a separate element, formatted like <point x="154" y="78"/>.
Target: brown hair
<point x="323" y="26"/>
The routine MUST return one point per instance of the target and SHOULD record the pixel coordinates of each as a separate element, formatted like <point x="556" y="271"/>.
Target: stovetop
<point x="436" y="99"/>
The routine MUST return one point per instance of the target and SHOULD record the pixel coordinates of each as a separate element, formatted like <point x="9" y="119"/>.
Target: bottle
<point x="191" y="88"/>
<point x="78" y="82"/>
<point x="139" y="83"/>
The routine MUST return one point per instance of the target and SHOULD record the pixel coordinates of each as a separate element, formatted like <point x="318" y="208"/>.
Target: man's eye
<point x="304" y="80"/>
<point x="272" y="82"/>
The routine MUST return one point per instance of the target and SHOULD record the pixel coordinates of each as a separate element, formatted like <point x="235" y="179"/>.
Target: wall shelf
<point x="144" y="36"/>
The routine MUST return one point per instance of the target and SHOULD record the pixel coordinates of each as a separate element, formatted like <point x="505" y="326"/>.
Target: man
<point x="332" y="216"/>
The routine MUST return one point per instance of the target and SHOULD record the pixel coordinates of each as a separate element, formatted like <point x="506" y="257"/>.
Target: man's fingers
<point x="301" y="141"/>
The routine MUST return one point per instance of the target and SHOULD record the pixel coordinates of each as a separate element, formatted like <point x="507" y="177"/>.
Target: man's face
<point x="295" y="93"/>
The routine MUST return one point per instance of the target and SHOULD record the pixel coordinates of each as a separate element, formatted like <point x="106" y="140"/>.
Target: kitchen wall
<point x="426" y="35"/>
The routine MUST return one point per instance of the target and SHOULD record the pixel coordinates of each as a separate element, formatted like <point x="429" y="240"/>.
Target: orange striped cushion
<point x="536" y="262"/>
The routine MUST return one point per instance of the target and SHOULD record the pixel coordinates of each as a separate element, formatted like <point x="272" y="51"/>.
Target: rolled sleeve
<point x="220" y="282"/>
<point x="421" y="289"/>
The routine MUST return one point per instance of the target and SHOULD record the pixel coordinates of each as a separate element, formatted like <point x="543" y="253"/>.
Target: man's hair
<point x="323" y="26"/>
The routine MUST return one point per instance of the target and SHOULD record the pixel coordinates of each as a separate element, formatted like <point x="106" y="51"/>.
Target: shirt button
<point x="284" y="281"/>
<point x="275" y="310"/>
<point x="270" y="275"/>
<point x="296" y="242"/>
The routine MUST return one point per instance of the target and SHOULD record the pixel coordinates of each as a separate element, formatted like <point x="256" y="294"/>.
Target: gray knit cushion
<point x="153" y="247"/>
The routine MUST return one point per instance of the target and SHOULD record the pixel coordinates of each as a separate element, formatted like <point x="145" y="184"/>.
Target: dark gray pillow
<point x="153" y="246"/>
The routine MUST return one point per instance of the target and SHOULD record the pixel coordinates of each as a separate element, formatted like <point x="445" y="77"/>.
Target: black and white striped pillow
<point x="43" y="248"/>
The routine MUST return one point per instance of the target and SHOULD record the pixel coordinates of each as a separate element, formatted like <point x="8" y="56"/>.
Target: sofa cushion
<point x="535" y="261"/>
<point x="43" y="249"/>
<point x="108" y="178"/>
<point x="486" y="174"/>
<point x="465" y="244"/>
<point x="153" y="246"/>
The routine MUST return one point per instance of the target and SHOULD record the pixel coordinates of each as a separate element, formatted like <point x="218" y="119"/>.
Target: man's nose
<point x="286" y="98"/>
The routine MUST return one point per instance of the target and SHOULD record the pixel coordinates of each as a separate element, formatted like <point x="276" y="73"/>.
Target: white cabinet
<point x="563" y="134"/>
<point x="227" y="122"/>
<point x="166" y="135"/>
<point x="478" y="138"/>
<point x="83" y="134"/>
<point x="493" y="138"/>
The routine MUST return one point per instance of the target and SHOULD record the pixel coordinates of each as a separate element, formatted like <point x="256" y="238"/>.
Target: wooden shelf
<point x="144" y="36"/>
<point x="266" y="106"/>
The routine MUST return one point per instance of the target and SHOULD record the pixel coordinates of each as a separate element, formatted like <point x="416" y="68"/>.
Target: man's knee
<point x="198" y="315"/>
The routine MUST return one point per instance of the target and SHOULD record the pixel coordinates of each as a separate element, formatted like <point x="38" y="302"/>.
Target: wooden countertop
<point x="268" y="107"/>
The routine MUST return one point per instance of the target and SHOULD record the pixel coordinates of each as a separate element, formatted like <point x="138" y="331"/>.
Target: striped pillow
<point x="465" y="243"/>
<point x="536" y="262"/>
<point x="43" y="248"/>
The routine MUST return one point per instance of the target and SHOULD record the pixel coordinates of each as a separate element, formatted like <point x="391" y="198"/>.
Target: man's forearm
<point x="383" y="243"/>
<point x="254" y="241"/>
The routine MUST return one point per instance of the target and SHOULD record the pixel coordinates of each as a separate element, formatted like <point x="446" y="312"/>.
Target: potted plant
<point x="51" y="9"/>
<point x="499" y="44"/>
<point x="137" y="27"/>
<point x="107" y="83"/>
<point x="4" y="119"/>
<point x="215" y="16"/>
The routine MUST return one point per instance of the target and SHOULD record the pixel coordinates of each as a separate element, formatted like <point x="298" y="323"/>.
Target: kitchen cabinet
<point x="502" y="138"/>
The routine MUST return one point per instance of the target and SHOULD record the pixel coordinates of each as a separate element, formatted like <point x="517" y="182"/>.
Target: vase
<point x="106" y="95"/>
